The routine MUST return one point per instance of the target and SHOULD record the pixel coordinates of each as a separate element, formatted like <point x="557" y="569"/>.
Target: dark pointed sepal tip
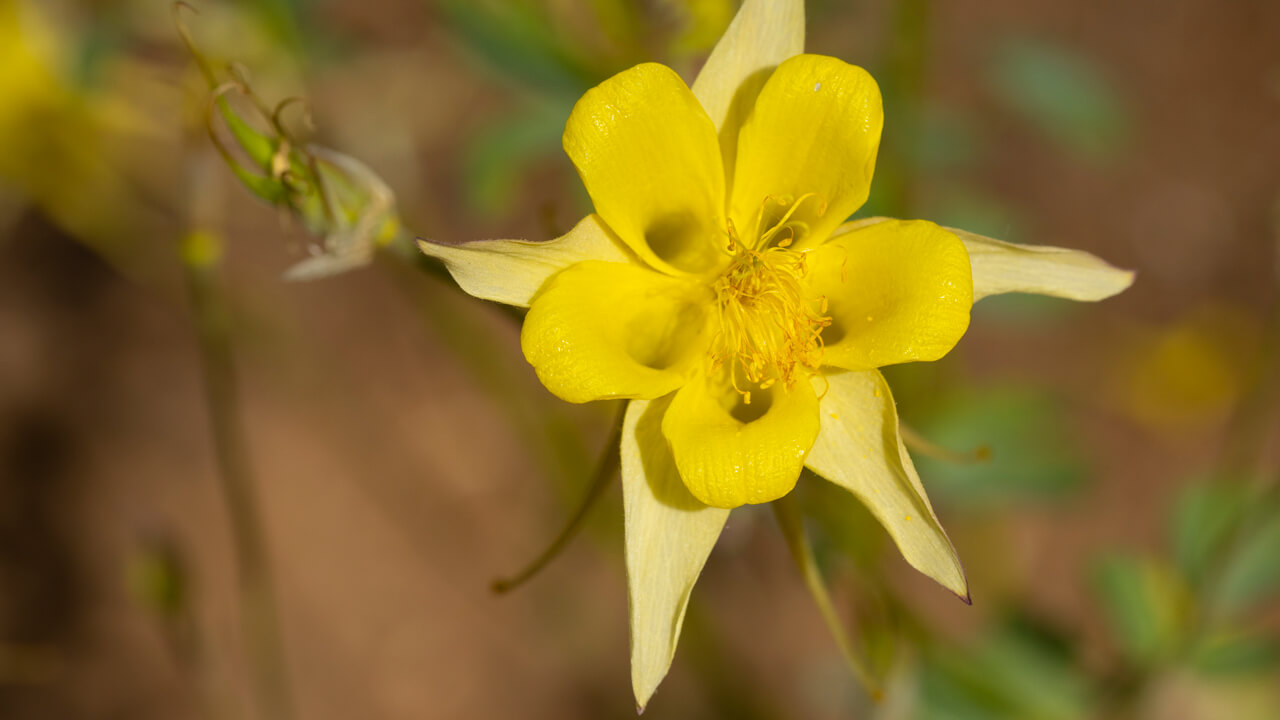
<point x="967" y="598"/>
<point x="639" y="710"/>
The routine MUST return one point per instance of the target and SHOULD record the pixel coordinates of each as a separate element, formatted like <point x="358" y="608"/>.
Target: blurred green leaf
<point x="1145" y="605"/>
<point x="1201" y="522"/>
<point x="1031" y="458"/>
<point x="1252" y="573"/>
<point x="518" y="42"/>
<point x="285" y="19"/>
<point x="499" y="155"/>
<point x="1236" y="653"/>
<point x="1020" y="671"/>
<point x="939" y="139"/>
<point x="1064" y="94"/>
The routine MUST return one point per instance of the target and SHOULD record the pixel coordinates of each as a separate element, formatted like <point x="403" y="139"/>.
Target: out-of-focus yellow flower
<point x="1192" y="372"/>
<point x="720" y="290"/>
<point x="68" y="144"/>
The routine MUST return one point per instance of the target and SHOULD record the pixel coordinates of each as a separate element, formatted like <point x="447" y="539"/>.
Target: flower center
<point x="769" y="323"/>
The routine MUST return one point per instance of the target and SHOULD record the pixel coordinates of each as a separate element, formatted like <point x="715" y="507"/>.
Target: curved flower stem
<point x="791" y="521"/>
<point x="606" y="468"/>
<point x="924" y="446"/>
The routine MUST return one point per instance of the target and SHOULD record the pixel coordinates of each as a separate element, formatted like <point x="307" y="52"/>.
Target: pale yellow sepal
<point x="896" y="291"/>
<point x="731" y="453"/>
<point x="669" y="535"/>
<point x="763" y="34"/>
<point x="601" y="330"/>
<point x="813" y="135"/>
<point x="859" y="449"/>
<point x="648" y="155"/>
<point x="512" y="271"/>
<point x="1001" y="267"/>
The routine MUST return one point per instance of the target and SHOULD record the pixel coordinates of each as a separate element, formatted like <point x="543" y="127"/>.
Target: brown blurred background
<point x="404" y="454"/>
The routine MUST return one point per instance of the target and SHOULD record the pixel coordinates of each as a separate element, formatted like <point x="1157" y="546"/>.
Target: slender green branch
<point x="924" y="446"/>
<point x="257" y="597"/>
<point x="606" y="468"/>
<point x="201" y="254"/>
<point x="787" y="511"/>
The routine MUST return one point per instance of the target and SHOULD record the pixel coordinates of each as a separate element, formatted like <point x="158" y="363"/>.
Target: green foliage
<point x="500" y="154"/>
<point x="1235" y="652"/>
<point x="1031" y="458"/>
<point x="938" y="139"/>
<point x="1020" y="670"/>
<point x="1201" y="522"/>
<point x="1225" y="540"/>
<point x="1252" y="573"/>
<point x="1145" y="604"/>
<point x="518" y="42"/>
<point x="1062" y="93"/>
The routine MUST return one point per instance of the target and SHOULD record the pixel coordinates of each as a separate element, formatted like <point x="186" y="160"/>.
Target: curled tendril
<point x="185" y="35"/>
<point x="332" y="195"/>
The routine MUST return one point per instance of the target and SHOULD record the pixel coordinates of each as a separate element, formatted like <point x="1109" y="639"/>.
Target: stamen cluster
<point x="769" y="324"/>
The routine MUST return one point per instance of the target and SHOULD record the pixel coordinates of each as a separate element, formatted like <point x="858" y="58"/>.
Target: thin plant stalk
<point x="201" y="254"/>
<point x="605" y="470"/>
<point x="790" y="519"/>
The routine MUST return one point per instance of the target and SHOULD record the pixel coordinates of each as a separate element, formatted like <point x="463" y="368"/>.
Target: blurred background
<point x="1122" y="541"/>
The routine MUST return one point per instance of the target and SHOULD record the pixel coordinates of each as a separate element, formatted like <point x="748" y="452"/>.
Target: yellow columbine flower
<point x="719" y="289"/>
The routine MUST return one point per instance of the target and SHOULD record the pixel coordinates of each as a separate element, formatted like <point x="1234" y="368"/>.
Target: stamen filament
<point x="769" y="326"/>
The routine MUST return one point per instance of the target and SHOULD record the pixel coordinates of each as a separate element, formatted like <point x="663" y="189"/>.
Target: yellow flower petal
<point x="669" y="535"/>
<point x="815" y="129"/>
<point x="606" y="330"/>
<point x="762" y="34"/>
<point x="511" y="271"/>
<point x="860" y="450"/>
<point x="731" y="453"/>
<point x="1001" y="267"/>
<point x="897" y="291"/>
<point x="648" y="155"/>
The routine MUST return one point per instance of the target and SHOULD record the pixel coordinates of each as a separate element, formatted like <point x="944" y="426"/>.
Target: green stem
<point x="924" y="446"/>
<point x="787" y="511"/>
<point x="604" y="472"/>
<point x="201" y="261"/>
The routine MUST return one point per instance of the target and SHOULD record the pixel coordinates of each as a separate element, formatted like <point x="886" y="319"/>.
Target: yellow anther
<point x="769" y="324"/>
